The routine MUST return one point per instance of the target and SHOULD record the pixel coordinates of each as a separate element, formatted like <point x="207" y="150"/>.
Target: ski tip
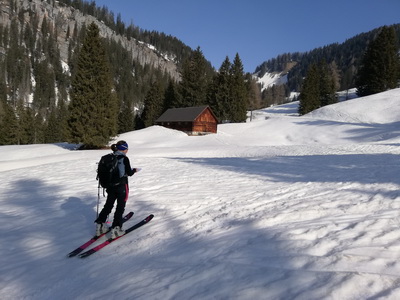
<point x="85" y="254"/>
<point x="74" y="253"/>
<point x="148" y="219"/>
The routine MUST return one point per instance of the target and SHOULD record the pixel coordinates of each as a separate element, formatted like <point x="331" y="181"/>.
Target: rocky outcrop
<point x="62" y="18"/>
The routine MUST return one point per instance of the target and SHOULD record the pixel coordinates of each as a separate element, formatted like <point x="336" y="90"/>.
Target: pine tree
<point x="93" y="108"/>
<point x="153" y="105"/>
<point x="52" y="131"/>
<point x="9" y="126"/>
<point x="309" y="96"/>
<point x="219" y="96"/>
<point x="25" y="124"/>
<point x="55" y="127"/>
<point x="171" y="97"/>
<point x="39" y="129"/>
<point x="126" y="119"/>
<point x="380" y="66"/>
<point x="195" y="80"/>
<point x="15" y="61"/>
<point x="348" y="80"/>
<point x="326" y="84"/>
<point x="44" y="96"/>
<point x="319" y="88"/>
<point x="21" y="125"/>
<point x="238" y="92"/>
<point x="62" y="117"/>
<point x="3" y="87"/>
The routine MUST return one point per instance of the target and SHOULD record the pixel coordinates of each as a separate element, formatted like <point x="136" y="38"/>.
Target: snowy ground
<point x="284" y="207"/>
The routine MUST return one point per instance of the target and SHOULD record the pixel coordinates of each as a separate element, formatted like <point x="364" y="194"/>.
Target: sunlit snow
<point x="283" y="207"/>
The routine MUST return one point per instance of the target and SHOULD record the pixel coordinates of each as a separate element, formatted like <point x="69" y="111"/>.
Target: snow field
<point x="286" y="207"/>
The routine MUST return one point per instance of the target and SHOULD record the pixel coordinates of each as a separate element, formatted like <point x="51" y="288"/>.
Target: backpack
<point x="108" y="171"/>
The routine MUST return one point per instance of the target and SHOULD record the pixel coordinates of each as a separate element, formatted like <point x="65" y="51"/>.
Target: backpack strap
<point x="120" y="157"/>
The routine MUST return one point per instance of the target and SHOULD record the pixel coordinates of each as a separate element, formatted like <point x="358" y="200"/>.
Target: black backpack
<point x="107" y="171"/>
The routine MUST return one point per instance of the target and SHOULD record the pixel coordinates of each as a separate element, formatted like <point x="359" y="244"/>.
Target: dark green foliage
<point x="196" y="76"/>
<point x="55" y="129"/>
<point x="8" y="126"/>
<point x="27" y="126"/>
<point x="16" y="65"/>
<point x="309" y="97"/>
<point x="153" y="105"/>
<point x="327" y="87"/>
<point x="51" y="135"/>
<point x="318" y="89"/>
<point x="219" y="97"/>
<point x="126" y="85"/>
<point x="44" y="95"/>
<point x="93" y="107"/>
<point x="126" y="119"/>
<point x="239" y="99"/>
<point x="31" y="68"/>
<point x="228" y="94"/>
<point x="3" y="88"/>
<point x="380" y="65"/>
<point x="51" y="104"/>
<point x="171" y="96"/>
<point x="40" y="126"/>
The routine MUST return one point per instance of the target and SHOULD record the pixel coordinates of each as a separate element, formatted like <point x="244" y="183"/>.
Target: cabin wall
<point x="205" y="123"/>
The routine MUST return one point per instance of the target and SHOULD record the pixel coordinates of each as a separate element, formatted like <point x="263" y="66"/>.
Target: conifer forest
<point x="74" y="72"/>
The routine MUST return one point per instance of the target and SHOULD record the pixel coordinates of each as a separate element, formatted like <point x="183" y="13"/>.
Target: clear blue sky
<point x="256" y="29"/>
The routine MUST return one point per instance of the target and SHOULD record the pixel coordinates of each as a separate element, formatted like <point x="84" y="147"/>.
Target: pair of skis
<point x="77" y="251"/>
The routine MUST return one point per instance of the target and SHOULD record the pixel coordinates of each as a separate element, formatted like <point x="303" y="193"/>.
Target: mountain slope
<point x="65" y="18"/>
<point x="292" y="67"/>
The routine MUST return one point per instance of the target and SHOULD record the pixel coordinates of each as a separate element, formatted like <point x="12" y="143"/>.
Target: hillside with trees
<point x="380" y="67"/>
<point x="52" y="90"/>
<point x="345" y="59"/>
<point x="40" y="43"/>
<point x="74" y="72"/>
<point x="378" y="71"/>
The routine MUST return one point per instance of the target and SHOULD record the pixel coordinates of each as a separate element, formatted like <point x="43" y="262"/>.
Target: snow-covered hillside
<point x="283" y="207"/>
<point x="270" y="79"/>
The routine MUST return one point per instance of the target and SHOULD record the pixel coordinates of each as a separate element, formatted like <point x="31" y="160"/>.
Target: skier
<point x="118" y="192"/>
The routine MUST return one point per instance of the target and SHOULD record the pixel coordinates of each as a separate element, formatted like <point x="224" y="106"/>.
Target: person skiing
<point x="118" y="192"/>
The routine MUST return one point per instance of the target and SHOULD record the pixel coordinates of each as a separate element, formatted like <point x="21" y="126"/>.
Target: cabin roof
<point x="185" y="114"/>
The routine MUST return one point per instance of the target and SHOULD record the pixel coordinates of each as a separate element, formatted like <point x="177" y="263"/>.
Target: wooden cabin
<point x="198" y="120"/>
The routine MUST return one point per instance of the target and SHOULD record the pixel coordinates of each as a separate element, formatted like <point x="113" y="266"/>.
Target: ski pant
<point x="119" y="193"/>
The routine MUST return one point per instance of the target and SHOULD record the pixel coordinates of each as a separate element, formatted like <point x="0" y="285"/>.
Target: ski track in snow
<point x="284" y="207"/>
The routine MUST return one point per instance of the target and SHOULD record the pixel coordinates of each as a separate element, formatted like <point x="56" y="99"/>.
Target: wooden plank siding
<point x="192" y="120"/>
<point x="205" y="122"/>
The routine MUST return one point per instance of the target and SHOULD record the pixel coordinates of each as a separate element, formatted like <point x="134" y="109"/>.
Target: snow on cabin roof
<point x="185" y="114"/>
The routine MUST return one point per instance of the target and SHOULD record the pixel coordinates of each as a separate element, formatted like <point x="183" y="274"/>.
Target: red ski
<point x="109" y="241"/>
<point x="95" y="238"/>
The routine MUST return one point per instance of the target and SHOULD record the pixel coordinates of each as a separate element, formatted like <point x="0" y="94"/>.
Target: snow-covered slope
<point x="270" y="79"/>
<point x="283" y="207"/>
<point x="380" y="109"/>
